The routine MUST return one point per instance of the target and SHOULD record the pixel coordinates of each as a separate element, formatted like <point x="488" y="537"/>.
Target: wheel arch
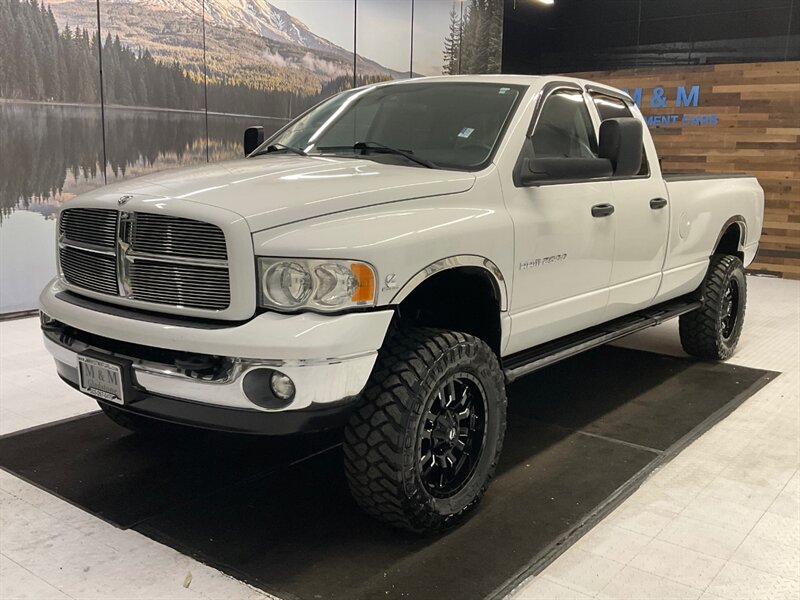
<point x="477" y="298"/>
<point x="459" y="261"/>
<point x="732" y="237"/>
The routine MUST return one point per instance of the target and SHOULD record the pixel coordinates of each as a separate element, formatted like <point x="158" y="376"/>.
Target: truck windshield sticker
<point x="466" y="132"/>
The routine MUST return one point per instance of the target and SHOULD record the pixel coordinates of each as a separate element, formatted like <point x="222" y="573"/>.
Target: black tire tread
<point x="374" y="437"/>
<point x="699" y="329"/>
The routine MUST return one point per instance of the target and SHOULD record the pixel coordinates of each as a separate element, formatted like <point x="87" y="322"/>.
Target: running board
<point x="543" y="355"/>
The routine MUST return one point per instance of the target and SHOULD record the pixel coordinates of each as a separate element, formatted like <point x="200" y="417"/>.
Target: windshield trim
<point x="520" y="88"/>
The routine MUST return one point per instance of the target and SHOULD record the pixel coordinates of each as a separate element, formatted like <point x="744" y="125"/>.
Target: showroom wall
<point x="181" y="79"/>
<point x="718" y="81"/>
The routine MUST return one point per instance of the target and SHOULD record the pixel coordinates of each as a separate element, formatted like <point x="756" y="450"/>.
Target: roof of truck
<point x="530" y="80"/>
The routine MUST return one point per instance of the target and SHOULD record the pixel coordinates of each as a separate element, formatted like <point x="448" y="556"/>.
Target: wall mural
<point x="181" y="80"/>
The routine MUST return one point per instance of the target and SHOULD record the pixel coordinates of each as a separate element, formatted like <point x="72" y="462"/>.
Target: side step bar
<point x="543" y="355"/>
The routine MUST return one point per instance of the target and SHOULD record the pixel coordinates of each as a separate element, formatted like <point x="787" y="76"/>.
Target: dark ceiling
<point x="588" y="35"/>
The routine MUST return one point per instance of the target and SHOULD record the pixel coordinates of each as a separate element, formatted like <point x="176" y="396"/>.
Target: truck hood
<point x="275" y="190"/>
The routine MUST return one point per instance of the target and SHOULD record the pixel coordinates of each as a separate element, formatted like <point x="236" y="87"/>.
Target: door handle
<point x="657" y="203"/>
<point x="602" y="210"/>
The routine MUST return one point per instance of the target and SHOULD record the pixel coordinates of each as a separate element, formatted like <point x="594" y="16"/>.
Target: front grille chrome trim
<point x="64" y="242"/>
<point x="185" y="264"/>
<point x="176" y="260"/>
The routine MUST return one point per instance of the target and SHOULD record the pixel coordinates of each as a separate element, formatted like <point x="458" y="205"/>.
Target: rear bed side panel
<point x="701" y="211"/>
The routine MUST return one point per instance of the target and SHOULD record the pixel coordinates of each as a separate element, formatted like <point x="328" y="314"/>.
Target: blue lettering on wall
<point x="690" y="99"/>
<point x="636" y="95"/>
<point x="661" y="98"/>
<point x="658" y="100"/>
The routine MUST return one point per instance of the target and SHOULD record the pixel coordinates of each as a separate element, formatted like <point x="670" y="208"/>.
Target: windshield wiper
<point x="407" y="153"/>
<point x="380" y="147"/>
<point x="279" y="147"/>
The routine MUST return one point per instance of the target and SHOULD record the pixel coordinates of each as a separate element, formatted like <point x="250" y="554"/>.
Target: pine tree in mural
<point x="452" y="44"/>
<point x="474" y="42"/>
<point x="38" y="62"/>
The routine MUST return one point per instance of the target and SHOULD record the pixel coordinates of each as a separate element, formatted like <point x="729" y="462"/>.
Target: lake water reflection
<point x="51" y="153"/>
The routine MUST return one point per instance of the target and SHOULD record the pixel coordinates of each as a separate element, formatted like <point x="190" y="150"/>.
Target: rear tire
<point x="712" y="331"/>
<point x="422" y="448"/>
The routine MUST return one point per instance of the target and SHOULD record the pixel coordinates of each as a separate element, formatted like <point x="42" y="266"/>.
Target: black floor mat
<point x="276" y="512"/>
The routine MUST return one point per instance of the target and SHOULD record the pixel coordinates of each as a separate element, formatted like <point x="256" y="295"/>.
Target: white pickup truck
<point x="388" y="262"/>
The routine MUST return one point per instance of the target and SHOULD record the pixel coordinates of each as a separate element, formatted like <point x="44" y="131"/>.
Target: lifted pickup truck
<point x="388" y="262"/>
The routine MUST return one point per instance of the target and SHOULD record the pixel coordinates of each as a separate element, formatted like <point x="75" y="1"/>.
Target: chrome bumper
<point x="317" y="382"/>
<point x="339" y="352"/>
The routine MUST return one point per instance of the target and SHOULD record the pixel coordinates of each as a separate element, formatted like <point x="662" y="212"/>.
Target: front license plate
<point x="101" y="379"/>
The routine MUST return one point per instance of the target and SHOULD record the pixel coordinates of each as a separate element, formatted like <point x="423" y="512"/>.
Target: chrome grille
<point x="96" y="226"/>
<point x="89" y="270"/>
<point x="180" y="284"/>
<point x="147" y="257"/>
<point x="176" y="236"/>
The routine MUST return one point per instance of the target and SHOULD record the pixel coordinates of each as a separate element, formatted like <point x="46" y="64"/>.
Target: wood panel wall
<point x="758" y="132"/>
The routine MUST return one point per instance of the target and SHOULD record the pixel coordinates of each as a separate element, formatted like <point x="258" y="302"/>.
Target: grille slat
<point x="178" y="236"/>
<point x="95" y="272"/>
<point x="186" y="285"/>
<point x="172" y="280"/>
<point x="96" y="226"/>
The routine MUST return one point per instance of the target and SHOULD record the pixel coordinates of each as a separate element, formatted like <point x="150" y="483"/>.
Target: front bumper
<point x="329" y="359"/>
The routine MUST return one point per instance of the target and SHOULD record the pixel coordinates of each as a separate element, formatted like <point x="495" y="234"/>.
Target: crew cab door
<point x="641" y="216"/>
<point x="563" y="230"/>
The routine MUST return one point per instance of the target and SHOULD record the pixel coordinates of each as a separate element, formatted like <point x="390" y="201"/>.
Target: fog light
<point x="282" y="385"/>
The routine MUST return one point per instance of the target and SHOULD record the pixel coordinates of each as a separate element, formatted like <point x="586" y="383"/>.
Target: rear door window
<point x="564" y="128"/>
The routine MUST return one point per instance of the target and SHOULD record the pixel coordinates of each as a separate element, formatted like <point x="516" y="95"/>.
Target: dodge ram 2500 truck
<point x="388" y="262"/>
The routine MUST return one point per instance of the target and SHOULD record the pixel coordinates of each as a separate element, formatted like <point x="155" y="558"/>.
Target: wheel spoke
<point x="452" y="435"/>
<point x="451" y="393"/>
<point x="463" y="399"/>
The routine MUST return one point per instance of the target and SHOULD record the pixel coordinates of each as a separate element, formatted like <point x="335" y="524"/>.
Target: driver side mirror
<point x="253" y="138"/>
<point x="621" y="143"/>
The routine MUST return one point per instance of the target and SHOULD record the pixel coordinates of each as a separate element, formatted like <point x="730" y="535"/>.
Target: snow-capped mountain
<point x="266" y="20"/>
<point x="249" y="41"/>
<point x="256" y="16"/>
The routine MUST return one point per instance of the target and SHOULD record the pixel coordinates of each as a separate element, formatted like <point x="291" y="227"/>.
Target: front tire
<point x="422" y="448"/>
<point x="712" y="331"/>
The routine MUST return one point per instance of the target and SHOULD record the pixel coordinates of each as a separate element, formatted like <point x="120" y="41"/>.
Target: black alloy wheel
<point x="730" y="309"/>
<point x="452" y="436"/>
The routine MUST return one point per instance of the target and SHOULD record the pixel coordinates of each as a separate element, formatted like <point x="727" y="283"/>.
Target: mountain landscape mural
<point x="181" y="80"/>
<point x="247" y="42"/>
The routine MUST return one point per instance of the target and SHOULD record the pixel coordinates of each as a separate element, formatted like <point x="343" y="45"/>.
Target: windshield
<point x="453" y="125"/>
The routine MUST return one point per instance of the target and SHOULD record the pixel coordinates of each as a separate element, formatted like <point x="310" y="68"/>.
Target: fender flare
<point x="739" y="220"/>
<point x="454" y="262"/>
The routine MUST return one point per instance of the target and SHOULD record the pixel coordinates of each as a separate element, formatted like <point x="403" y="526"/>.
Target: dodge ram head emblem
<point x="123" y="199"/>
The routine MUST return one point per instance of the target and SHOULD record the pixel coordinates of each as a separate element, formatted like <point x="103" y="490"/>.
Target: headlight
<point x="323" y="285"/>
